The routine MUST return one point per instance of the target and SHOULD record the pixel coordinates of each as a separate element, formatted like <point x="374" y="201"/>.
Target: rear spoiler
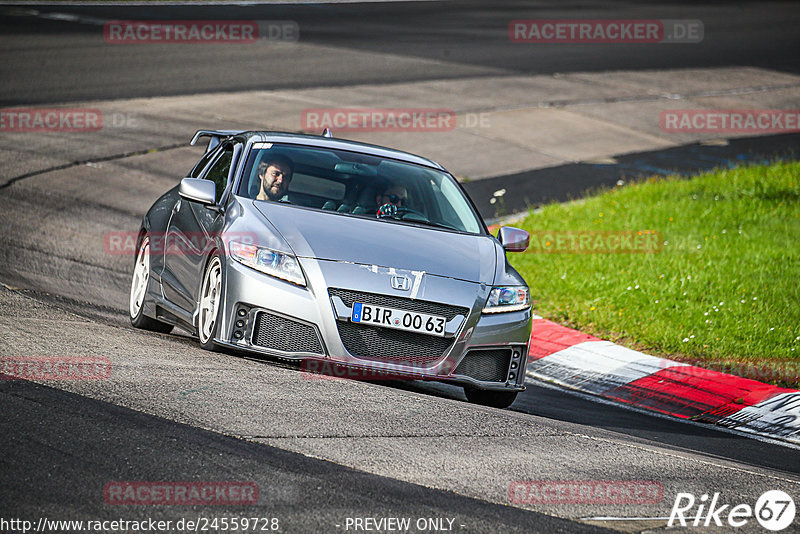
<point x="215" y="135"/>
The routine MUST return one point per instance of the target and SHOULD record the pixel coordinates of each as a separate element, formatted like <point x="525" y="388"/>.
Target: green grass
<point x="722" y="293"/>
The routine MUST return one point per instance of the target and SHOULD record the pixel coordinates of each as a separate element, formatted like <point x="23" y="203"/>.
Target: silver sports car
<point x="325" y="250"/>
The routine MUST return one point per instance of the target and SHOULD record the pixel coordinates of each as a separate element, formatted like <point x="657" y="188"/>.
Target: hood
<point x="330" y="236"/>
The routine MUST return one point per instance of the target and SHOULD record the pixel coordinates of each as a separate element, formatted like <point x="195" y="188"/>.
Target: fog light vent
<point x="486" y="365"/>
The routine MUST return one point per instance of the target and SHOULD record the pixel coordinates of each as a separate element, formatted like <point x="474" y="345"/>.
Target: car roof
<point x="338" y="144"/>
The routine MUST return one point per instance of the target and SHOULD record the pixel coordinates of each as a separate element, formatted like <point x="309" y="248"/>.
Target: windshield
<point x="355" y="184"/>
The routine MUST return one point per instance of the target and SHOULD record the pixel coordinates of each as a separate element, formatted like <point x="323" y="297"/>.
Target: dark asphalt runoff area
<point x="323" y="451"/>
<point x="47" y="61"/>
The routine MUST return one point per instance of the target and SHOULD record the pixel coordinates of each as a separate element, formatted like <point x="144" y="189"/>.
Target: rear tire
<point x="209" y="309"/>
<point x="140" y="281"/>
<point x="494" y="399"/>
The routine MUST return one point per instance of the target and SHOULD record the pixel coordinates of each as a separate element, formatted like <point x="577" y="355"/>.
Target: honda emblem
<point x="402" y="283"/>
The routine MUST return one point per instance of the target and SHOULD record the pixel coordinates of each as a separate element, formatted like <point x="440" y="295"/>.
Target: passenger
<point x="275" y="173"/>
<point x="395" y="194"/>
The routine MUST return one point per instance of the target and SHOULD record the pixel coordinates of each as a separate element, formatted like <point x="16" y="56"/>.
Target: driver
<point x="275" y="173"/>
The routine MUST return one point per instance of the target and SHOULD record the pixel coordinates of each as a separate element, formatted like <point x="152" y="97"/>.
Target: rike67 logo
<point x="774" y="510"/>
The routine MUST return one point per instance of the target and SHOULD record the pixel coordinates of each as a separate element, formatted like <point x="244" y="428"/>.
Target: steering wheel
<point x="402" y="210"/>
<point x="390" y="210"/>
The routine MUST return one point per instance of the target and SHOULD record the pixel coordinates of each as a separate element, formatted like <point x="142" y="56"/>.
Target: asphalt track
<point x="114" y="442"/>
<point x="47" y="61"/>
<point x="320" y="451"/>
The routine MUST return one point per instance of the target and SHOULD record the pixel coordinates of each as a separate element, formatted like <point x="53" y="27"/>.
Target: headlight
<point x="271" y="262"/>
<point x="506" y="299"/>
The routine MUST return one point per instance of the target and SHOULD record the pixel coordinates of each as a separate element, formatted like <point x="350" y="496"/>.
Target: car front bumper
<point x="269" y="316"/>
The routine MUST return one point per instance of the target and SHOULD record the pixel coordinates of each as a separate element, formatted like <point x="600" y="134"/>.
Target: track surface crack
<point x="12" y="181"/>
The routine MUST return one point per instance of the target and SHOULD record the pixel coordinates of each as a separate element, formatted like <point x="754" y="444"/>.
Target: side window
<point x="218" y="173"/>
<point x="201" y="164"/>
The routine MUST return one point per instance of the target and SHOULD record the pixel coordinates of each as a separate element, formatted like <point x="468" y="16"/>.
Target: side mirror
<point x="513" y="239"/>
<point x="198" y="190"/>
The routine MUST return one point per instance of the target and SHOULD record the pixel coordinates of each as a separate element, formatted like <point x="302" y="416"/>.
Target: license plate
<point x="421" y="323"/>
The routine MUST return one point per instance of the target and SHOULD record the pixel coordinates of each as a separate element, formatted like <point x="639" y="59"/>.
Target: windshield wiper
<point x="430" y="223"/>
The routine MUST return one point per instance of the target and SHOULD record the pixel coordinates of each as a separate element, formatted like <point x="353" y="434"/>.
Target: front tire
<point x="140" y="281"/>
<point x="210" y="303"/>
<point x="494" y="399"/>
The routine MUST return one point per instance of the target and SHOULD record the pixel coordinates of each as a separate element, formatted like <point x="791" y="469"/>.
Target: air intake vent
<point x="279" y="333"/>
<point x="485" y="365"/>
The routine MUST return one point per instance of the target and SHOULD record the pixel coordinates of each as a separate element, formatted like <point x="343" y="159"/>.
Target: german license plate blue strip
<point x="356" y="317"/>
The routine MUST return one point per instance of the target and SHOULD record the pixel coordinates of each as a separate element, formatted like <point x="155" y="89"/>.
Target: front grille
<point x="408" y="348"/>
<point x="279" y="333"/>
<point x="386" y="344"/>
<point x="485" y="365"/>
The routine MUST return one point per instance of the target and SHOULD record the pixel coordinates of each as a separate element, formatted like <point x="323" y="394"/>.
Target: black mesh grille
<point x="485" y="365"/>
<point x="386" y="344"/>
<point x="419" y="306"/>
<point x="374" y="343"/>
<point x="279" y="333"/>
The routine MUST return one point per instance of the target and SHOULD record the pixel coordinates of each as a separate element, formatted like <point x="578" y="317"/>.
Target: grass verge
<point x="721" y="290"/>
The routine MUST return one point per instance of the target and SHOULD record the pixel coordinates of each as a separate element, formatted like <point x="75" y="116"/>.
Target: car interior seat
<point x="365" y="203"/>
